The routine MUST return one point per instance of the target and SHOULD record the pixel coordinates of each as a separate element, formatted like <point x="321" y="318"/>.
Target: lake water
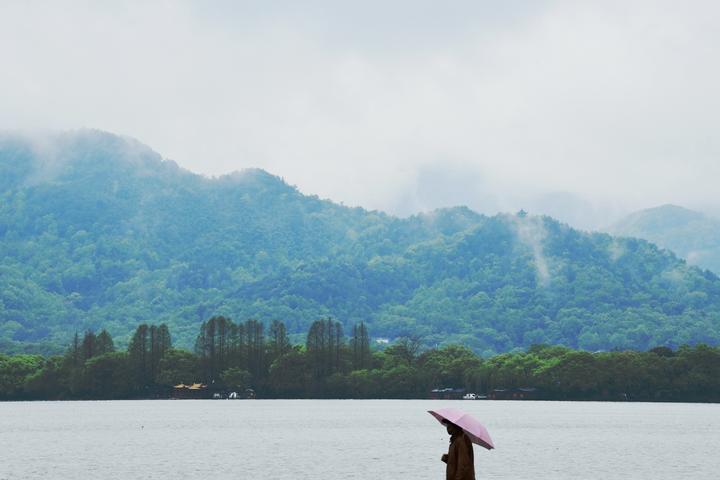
<point x="352" y="439"/>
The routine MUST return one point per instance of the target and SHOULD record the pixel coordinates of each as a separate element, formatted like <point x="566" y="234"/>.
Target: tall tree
<point x="74" y="354"/>
<point x="147" y="347"/>
<point x="279" y="342"/>
<point x="217" y="346"/>
<point x="360" y="345"/>
<point x="160" y="343"/>
<point x="88" y="347"/>
<point x="138" y="354"/>
<point x="324" y="346"/>
<point x="104" y="343"/>
<point x="255" y="349"/>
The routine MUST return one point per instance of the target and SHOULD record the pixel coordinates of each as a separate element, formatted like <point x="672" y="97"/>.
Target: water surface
<point x="353" y="439"/>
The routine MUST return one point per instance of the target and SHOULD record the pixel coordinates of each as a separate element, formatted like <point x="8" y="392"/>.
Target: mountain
<point x="98" y="231"/>
<point x="690" y="234"/>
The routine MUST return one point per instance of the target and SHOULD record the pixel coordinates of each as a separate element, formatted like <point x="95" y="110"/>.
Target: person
<point x="460" y="458"/>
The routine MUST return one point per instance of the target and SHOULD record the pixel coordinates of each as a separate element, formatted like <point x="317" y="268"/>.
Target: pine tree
<point x="279" y="342"/>
<point x="88" y="347"/>
<point x="360" y="344"/>
<point x="104" y="343"/>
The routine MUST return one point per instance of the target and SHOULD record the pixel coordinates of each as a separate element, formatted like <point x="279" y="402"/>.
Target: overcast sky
<point x="396" y="105"/>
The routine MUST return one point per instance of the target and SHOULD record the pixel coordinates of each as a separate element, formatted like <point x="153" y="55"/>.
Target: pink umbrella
<point x="474" y="429"/>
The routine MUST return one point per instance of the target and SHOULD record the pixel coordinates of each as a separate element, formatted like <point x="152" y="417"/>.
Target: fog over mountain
<point x="583" y="110"/>
<point x="443" y="186"/>
<point x="692" y="235"/>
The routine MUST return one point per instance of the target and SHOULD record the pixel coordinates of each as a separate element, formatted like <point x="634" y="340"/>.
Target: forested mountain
<point x="98" y="231"/>
<point x="690" y="234"/>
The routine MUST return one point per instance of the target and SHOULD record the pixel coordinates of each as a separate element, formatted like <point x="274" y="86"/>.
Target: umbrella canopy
<point x="475" y="430"/>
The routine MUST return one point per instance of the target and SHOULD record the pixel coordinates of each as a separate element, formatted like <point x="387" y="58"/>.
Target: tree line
<point x="230" y="356"/>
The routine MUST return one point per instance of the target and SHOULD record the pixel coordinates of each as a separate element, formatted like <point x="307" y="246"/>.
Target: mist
<point x="580" y="110"/>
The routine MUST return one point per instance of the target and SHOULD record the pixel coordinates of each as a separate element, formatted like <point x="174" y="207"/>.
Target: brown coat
<point x="460" y="459"/>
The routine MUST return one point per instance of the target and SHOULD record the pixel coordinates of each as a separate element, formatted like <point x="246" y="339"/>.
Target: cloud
<point x="394" y="105"/>
<point x="531" y="232"/>
<point x="616" y="249"/>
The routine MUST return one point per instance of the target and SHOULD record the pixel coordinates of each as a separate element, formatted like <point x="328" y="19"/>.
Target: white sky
<point x="400" y="106"/>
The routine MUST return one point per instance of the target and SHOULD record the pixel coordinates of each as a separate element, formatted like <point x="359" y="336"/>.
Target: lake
<point x="352" y="439"/>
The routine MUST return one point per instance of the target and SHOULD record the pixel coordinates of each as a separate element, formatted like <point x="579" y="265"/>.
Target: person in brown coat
<point x="460" y="458"/>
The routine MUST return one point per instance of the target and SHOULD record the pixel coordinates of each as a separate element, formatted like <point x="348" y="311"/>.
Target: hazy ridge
<point x="98" y="231"/>
<point x="693" y="235"/>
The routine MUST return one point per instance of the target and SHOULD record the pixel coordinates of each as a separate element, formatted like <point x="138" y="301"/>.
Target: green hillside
<point x="98" y="231"/>
<point x="692" y="235"/>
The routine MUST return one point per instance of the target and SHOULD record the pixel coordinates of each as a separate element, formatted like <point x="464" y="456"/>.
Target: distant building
<point x="194" y="390"/>
<point x="203" y="391"/>
<point x="447" y="393"/>
<point x="522" y="393"/>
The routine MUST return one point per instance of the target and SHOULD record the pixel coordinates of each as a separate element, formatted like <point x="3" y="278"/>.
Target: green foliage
<point x="449" y="365"/>
<point x="403" y="370"/>
<point x="105" y="234"/>
<point x="236" y="379"/>
<point x="223" y="345"/>
<point x="147" y="347"/>
<point x="325" y="345"/>
<point x="109" y="376"/>
<point x="15" y="371"/>
<point x="176" y="367"/>
<point x="289" y="377"/>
